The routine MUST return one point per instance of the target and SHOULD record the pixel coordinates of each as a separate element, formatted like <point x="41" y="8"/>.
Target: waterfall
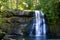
<point x="38" y="28"/>
<point x="39" y="24"/>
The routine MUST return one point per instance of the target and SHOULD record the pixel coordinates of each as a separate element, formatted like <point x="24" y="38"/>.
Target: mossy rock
<point x="2" y="34"/>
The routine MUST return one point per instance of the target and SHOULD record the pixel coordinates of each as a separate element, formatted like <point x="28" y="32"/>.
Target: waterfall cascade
<point x="39" y="24"/>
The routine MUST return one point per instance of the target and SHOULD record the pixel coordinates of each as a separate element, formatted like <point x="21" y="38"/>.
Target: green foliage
<point x="49" y="9"/>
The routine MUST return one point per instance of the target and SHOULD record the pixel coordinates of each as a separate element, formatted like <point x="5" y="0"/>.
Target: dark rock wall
<point x="17" y="20"/>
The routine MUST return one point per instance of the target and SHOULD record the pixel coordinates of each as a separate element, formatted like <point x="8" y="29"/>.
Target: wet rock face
<point x="17" y="14"/>
<point x="20" y="19"/>
<point x="17" y="21"/>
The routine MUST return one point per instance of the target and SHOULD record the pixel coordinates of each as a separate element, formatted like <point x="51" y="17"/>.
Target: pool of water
<point x="18" y="37"/>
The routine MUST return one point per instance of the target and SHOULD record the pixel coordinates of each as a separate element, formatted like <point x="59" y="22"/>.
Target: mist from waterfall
<point x="39" y="24"/>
